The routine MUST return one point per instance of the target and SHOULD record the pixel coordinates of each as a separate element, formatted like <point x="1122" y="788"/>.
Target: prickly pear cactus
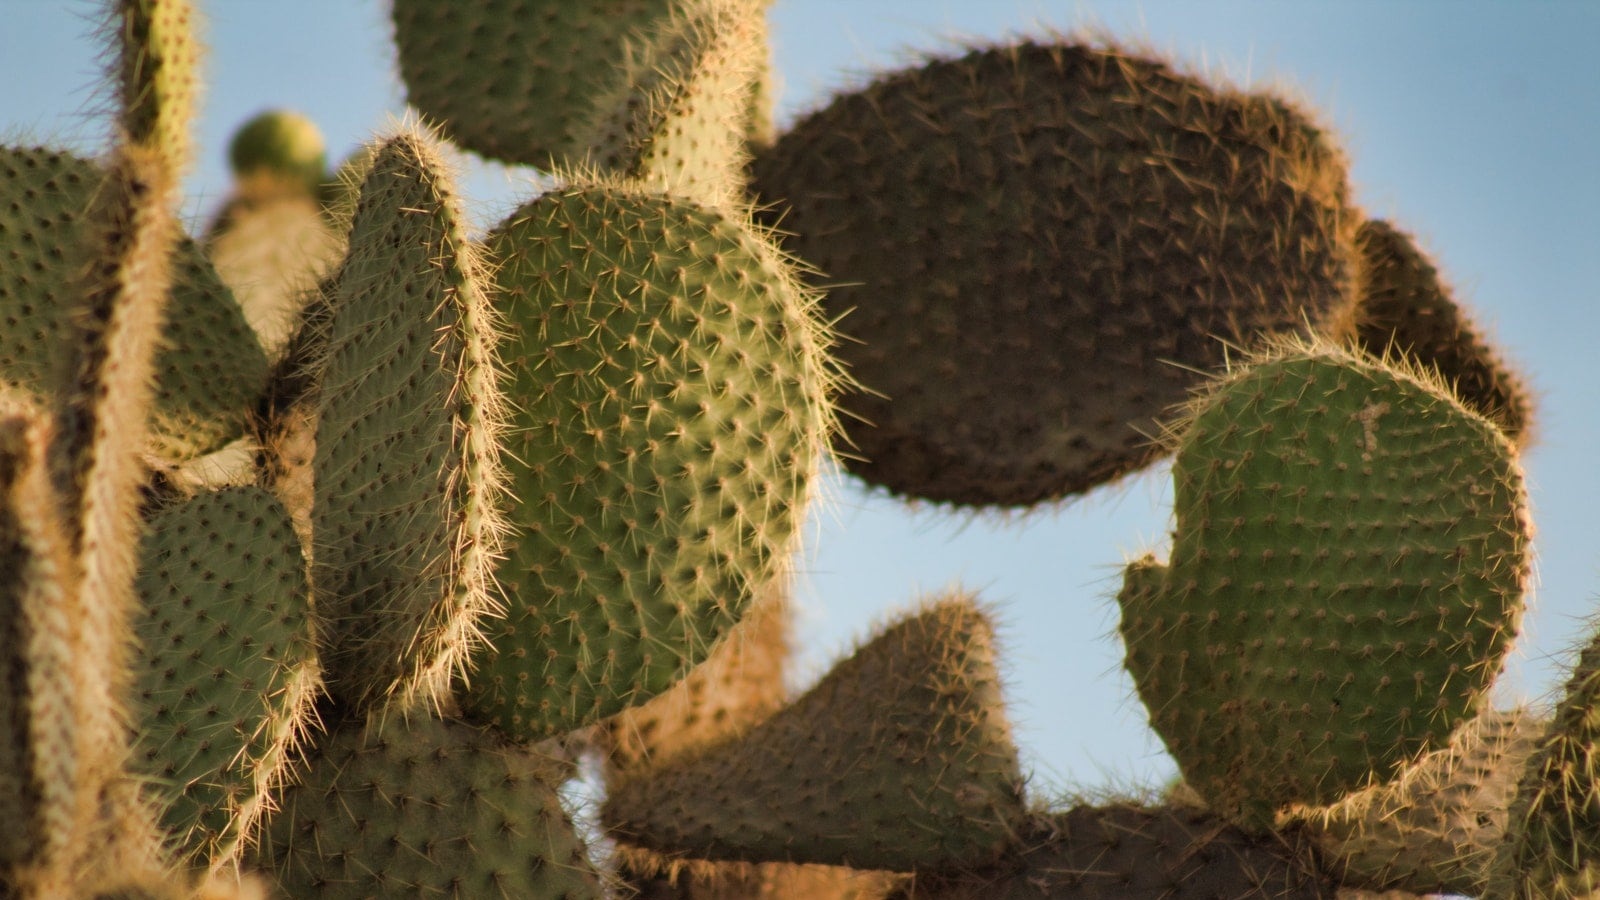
<point x="1347" y="574"/>
<point x="509" y="498"/>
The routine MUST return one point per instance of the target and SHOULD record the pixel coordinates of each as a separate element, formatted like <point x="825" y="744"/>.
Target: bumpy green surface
<point x="1552" y="845"/>
<point x="402" y="521"/>
<point x="1126" y="853"/>
<point x="158" y="62"/>
<point x="1038" y="248"/>
<point x="900" y="758"/>
<point x="518" y="80"/>
<point x="228" y="666"/>
<point x="280" y="144"/>
<point x="1435" y="828"/>
<point x="210" y="369"/>
<point x="1348" y="567"/>
<point x="426" y="808"/>
<point x="670" y="416"/>
<point x="680" y="118"/>
<point x="1406" y="309"/>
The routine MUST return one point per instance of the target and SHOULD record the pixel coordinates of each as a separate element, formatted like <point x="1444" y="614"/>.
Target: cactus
<point x="518" y="497"/>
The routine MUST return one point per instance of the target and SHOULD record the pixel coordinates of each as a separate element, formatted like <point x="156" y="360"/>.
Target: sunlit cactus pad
<point x="426" y="808"/>
<point x="404" y="520"/>
<point x="671" y="413"/>
<point x="227" y="671"/>
<point x="900" y="758"/>
<point x="210" y="370"/>
<point x="1036" y="246"/>
<point x="1347" y="574"/>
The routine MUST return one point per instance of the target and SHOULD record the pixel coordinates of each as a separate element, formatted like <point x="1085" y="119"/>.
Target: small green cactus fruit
<point x="900" y="758"/>
<point x="210" y="369"/>
<point x="228" y="670"/>
<point x="1125" y="852"/>
<point x="1407" y="310"/>
<point x="280" y="147"/>
<point x="1037" y="248"/>
<point x="673" y="410"/>
<point x="425" y="807"/>
<point x="680" y="118"/>
<point x="517" y="80"/>
<point x="1348" y="567"/>
<point x="405" y="520"/>
<point x="1551" y="849"/>
<point x="1434" y="829"/>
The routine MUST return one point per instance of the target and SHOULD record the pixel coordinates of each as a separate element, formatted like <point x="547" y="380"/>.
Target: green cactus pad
<point x="1407" y="310"/>
<point x="426" y="808"/>
<point x="518" y="80"/>
<point x="405" y="523"/>
<point x="282" y="146"/>
<point x="158" y="62"/>
<point x="1348" y="567"/>
<point x="210" y="370"/>
<point x="900" y="758"/>
<point x="1122" y="852"/>
<point x="1037" y="248"/>
<point x="1551" y="849"/>
<point x="680" y="118"/>
<point x="1435" y="828"/>
<point x="672" y="413"/>
<point x="228" y="669"/>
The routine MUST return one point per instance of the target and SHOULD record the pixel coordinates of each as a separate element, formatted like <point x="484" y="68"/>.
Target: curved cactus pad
<point x="1406" y="309"/>
<point x="228" y="670"/>
<point x="1035" y="247"/>
<point x="671" y="386"/>
<point x="1347" y="575"/>
<point x="405" y="522"/>
<point x="900" y="758"/>
<point x="1435" y="828"/>
<point x="426" y="808"/>
<point x="210" y="369"/>
<point x="517" y="80"/>
<point x="1129" y="853"/>
<point x="1552" y="845"/>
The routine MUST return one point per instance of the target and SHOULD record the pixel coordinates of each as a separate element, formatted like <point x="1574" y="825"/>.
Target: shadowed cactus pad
<point x="900" y="758"/>
<point x="671" y="387"/>
<point x="1407" y="310"/>
<point x="405" y="523"/>
<point x="426" y="808"/>
<point x="1347" y="574"/>
<point x="1035" y="246"/>
<point x="228" y="667"/>
<point x="1126" y="853"/>
<point x="518" y="80"/>
<point x="210" y="369"/>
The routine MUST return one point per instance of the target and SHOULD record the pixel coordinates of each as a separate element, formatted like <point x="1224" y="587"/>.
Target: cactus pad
<point x="210" y="369"/>
<point x="405" y="519"/>
<point x="1122" y="852"/>
<point x="1036" y="247"/>
<point x="1406" y="309"/>
<point x="425" y="808"/>
<point x="1348" y="568"/>
<point x="672" y="412"/>
<point x="900" y="758"/>
<point x="517" y="80"/>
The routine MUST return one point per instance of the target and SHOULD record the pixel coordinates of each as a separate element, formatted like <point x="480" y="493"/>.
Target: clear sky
<point x="1474" y="125"/>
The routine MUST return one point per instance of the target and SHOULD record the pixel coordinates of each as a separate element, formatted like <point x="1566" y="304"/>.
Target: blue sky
<point x="1474" y="125"/>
